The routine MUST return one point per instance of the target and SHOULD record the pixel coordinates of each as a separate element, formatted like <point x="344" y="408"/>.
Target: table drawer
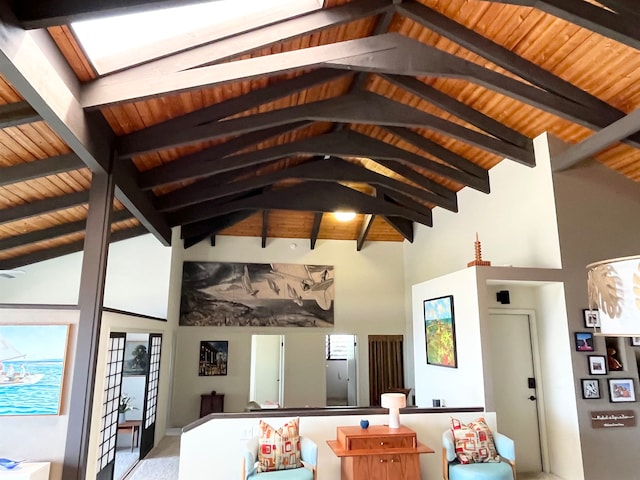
<point x="366" y="443"/>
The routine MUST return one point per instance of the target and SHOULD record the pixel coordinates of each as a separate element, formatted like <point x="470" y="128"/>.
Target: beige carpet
<point x="161" y="463"/>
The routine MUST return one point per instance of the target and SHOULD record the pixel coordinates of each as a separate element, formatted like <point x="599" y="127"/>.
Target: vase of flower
<point x="126" y="405"/>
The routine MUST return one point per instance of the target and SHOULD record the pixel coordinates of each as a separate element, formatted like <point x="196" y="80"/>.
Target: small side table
<point x="378" y="452"/>
<point x="211" y="403"/>
<point x="134" y="426"/>
<point x="27" y="471"/>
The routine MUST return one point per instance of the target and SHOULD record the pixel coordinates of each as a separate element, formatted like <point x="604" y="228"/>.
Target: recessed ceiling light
<point x="344" y="216"/>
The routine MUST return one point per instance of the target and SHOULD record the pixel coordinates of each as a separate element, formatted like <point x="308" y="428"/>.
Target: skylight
<point x="116" y="42"/>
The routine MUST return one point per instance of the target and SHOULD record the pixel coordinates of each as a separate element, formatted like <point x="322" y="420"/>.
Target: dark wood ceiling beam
<point x="42" y="14"/>
<point x="359" y="107"/>
<point x="315" y="229"/>
<point x="146" y="140"/>
<point x="589" y="16"/>
<point x="191" y="241"/>
<point x="367" y="222"/>
<point x="415" y="177"/>
<point x="400" y="198"/>
<point x="341" y="143"/>
<point x="500" y="55"/>
<point x="442" y="153"/>
<point x="138" y="202"/>
<point x="215" y="50"/>
<point x="55" y="232"/>
<point x="416" y="59"/>
<point x="34" y="66"/>
<point x="459" y="109"/>
<point x="66" y="249"/>
<point x="401" y="225"/>
<point x="41" y="207"/>
<point x="328" y="170"/>
<point x="214" y="225"/>
<point x="100" y="94"/>
<point x="198" y="164"/>
<point x="597" y="142"/>
<point x="40" y="168"/>
<point x="265" y="227"/>
<point x="307" y="196"/>
<point x="20" y="113"/>
<point x="624" y="7"/>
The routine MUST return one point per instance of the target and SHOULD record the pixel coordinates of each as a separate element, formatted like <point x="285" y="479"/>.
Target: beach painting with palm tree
<point x="257" y="294"/>
<point x="440" y="331"/>
<point x="32" y="368"/>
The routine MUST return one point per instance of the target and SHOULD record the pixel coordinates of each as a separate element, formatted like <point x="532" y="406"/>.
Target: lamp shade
<point x="614" y="289"/>
<point x="394" y="402"/>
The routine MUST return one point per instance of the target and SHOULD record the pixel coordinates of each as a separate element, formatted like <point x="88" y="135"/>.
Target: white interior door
<point x="515" y="400"/>
<point x="266" y="368"/>
<point x="352" y="385"/>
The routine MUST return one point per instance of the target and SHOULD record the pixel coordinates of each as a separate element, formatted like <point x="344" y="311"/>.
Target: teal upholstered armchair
<point x="308" y="454"/>
<point x="452" y="469"/>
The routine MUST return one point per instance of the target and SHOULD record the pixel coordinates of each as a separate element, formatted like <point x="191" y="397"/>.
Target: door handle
<point x="532" y="398"/>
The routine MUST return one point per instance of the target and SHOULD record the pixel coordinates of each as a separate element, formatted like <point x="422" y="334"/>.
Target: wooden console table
<point x="378" y="452"/>
<point x="134" y="427"/>
<point x="211" y="403"/>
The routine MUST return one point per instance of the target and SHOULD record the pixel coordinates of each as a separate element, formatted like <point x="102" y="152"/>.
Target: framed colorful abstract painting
<point x="440" y="332"/>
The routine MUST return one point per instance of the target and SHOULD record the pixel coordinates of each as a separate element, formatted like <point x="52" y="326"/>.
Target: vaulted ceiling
<point x="387" y="108"/>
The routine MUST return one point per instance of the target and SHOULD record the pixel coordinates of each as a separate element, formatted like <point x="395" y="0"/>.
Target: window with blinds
<point x="337" y="346"/>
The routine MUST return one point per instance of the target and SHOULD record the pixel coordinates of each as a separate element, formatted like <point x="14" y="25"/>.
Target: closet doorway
<point x="386" y="365"/>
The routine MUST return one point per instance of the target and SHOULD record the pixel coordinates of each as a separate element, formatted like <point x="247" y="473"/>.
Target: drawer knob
<point x="382" y="460"/>
<point x="381" y="443"/>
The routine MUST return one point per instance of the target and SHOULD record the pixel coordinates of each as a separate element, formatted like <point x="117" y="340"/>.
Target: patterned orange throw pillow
<point x="279" y="449"/>
<point x="474" y="441"/>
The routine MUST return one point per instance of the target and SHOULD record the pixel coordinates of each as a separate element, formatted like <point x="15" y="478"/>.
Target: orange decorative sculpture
<point x="478" y="261"/>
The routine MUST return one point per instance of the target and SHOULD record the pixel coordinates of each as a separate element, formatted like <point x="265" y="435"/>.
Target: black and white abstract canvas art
<point x="257" y="294"/>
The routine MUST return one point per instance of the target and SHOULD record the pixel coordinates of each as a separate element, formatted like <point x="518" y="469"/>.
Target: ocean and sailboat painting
<point x="31" y="368"/>
<point x="256" y="294"/>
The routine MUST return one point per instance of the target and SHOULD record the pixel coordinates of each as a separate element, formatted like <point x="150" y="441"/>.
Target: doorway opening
<point x="266" y="386"/>
<point x="342" y="385"/>
<point x="386" y="366"/>
<point x="517" y="394"/>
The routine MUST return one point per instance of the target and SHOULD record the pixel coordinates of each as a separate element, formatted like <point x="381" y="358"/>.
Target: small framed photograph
<point x="591" y="318"/>
<point x="634" y="341"/>
<point x="621" y="390"/>
<point x="584" y="342"/>
<point x="213" y="358"/>
<point x="597" y="365"/>
<point x="590" y="388"/>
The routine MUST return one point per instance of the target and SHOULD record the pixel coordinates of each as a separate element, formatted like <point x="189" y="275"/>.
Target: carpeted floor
<point x="161" y="463"/>
<point x="125" y="458"/>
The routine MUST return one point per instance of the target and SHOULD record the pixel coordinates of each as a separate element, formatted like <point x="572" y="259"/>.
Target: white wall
<point x="516" y="224"/>
<point x="137" y="279"/>
<point x="462" y="386"/>
<point x="369" y="299"/>
<point x="217" y="445"/>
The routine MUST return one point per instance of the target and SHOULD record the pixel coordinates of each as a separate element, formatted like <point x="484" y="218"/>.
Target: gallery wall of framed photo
<point x="605" y="358"/>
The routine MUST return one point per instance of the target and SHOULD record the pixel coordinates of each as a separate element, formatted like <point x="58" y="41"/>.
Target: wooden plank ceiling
<point x="387" y="108"/>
